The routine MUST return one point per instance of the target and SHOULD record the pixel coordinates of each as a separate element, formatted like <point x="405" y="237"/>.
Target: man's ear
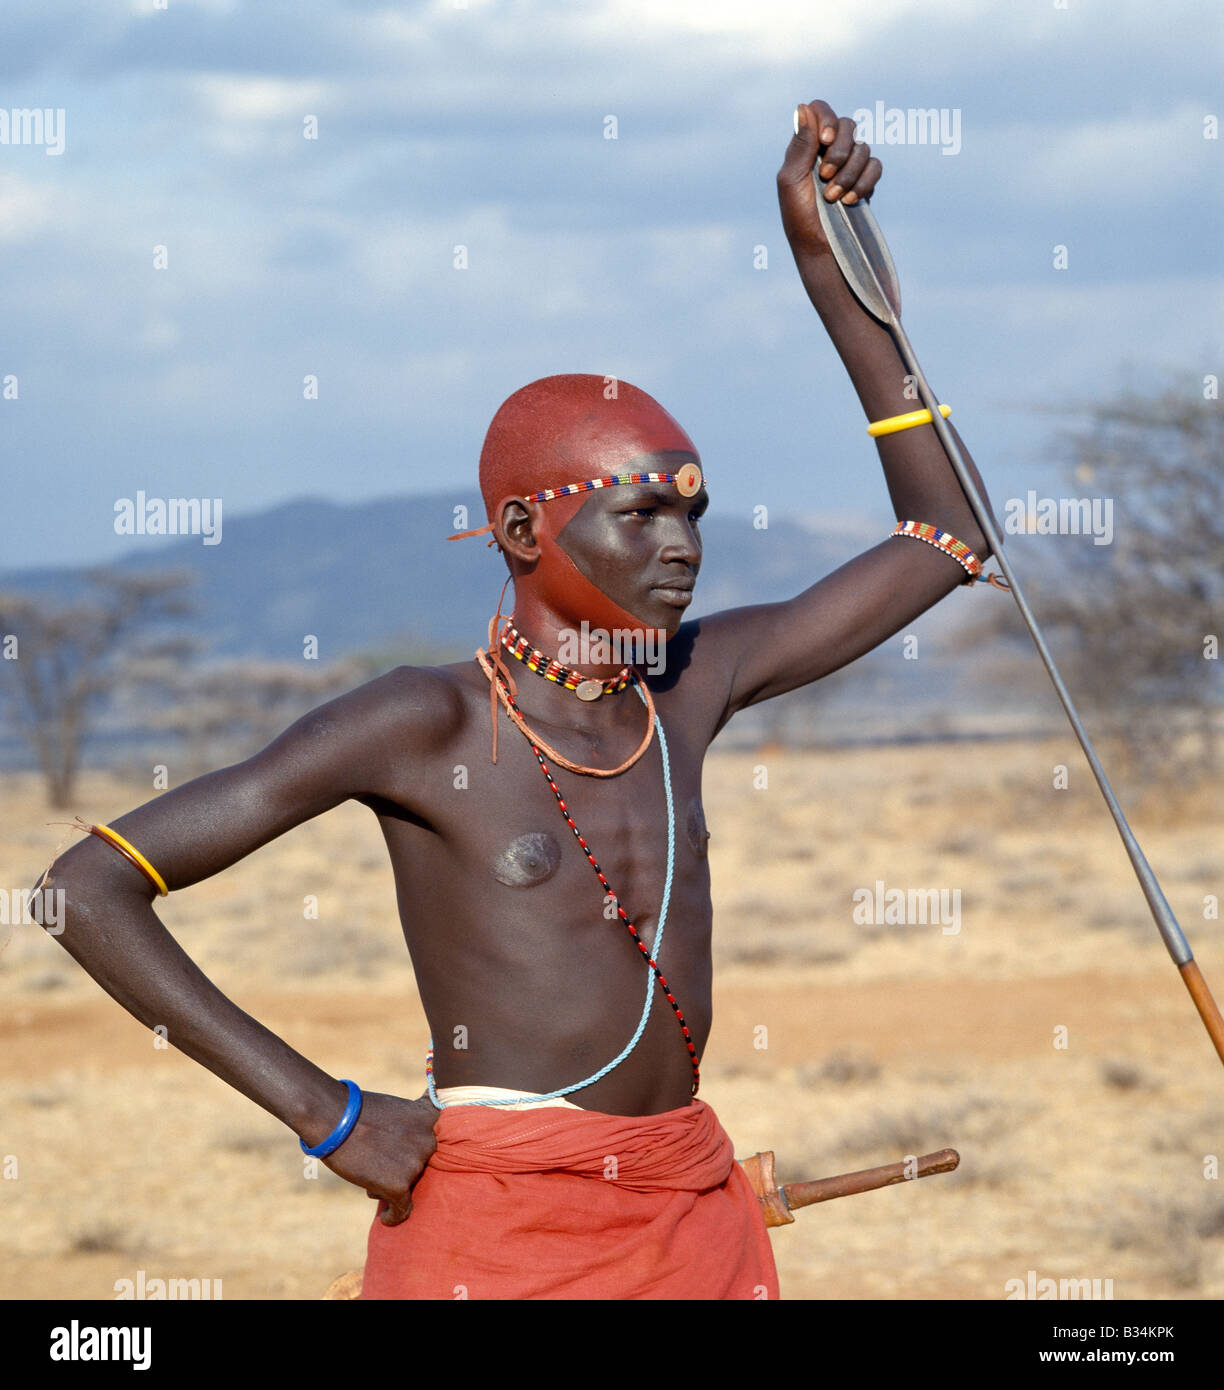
<point x="515" y="530"/>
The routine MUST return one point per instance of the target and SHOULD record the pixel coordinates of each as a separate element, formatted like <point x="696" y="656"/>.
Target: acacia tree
<point x="66" y="661"/>
<point x="1136" y="625"/>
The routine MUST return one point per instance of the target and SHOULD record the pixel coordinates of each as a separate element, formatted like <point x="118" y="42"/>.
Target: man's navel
<point x="532" y="858"/>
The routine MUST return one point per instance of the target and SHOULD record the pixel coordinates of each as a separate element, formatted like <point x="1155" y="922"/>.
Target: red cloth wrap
<point x="576" y="1204"/>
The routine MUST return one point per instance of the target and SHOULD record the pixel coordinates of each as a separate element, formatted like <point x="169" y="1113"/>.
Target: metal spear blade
<point x="862" y="254"/>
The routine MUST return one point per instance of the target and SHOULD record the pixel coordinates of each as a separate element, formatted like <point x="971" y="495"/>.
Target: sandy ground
<point x="1048" y="1039"/>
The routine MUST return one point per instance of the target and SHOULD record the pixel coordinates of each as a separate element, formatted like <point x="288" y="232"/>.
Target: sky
<point x="656" y="256"/>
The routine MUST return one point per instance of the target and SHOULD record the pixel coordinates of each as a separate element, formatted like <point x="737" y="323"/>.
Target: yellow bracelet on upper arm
<point x="130" y="852"/>
<point x="905" y="422"/>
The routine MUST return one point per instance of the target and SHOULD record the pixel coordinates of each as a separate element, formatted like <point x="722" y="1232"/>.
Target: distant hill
<point x="364" y="575"/>
<point x="380" y="576"/>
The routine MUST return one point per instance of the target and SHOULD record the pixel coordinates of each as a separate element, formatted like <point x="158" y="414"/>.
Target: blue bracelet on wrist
<point x="343" y="1129"/>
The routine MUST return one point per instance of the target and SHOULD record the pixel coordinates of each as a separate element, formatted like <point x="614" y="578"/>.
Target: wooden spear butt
<point x="1209" y="1010"/>
<point x="759" y="1170"/>
<point x="803" y="1194"/>
<point x="777" y="1204"/>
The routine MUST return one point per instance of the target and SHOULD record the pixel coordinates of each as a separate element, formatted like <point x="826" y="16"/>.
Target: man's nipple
<point x="532" y="858"/>
<point x="698" y="835"/>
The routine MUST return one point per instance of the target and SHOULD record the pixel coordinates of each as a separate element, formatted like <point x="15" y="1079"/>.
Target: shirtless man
<point x="510" y="933"/>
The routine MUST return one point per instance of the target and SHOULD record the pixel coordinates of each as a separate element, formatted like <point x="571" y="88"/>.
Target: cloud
<point x="28" y="210"/>
<point x="1140" y="156"/>
<point x="234" y="97"/>
<point x="482" y="124"/>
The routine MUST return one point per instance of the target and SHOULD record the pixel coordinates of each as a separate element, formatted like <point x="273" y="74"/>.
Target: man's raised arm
<point x="337" y="752"/>
<point x="778" y="647"/>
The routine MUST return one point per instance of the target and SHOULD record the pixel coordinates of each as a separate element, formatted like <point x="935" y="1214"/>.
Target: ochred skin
<point x="562" y="430"/>
<point x="546" y="987"/>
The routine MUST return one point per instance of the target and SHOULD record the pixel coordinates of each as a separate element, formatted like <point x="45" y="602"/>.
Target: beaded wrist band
<point x="941" y="540"/>
<point x="132" y="855"/>
<point x="343" y="1129"/>
<point x="894" y="423"/>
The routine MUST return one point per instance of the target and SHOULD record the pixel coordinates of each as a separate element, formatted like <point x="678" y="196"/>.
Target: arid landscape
<point x="1043" y="1032"/>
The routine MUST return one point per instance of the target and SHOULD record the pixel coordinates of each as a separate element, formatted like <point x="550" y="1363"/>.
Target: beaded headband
<point x="688" y="482"/>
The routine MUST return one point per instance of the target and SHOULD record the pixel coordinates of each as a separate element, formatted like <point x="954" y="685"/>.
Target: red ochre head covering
<point x="568" y="429"/>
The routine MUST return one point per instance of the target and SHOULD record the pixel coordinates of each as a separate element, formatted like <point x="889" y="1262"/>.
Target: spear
<point x="863" y="256"/>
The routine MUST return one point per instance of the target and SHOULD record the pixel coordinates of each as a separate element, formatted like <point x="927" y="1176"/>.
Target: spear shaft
<point x="864" y="259"/>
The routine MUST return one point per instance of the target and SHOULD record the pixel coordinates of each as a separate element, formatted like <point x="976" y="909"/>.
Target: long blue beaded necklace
<point x="652" y="960"/>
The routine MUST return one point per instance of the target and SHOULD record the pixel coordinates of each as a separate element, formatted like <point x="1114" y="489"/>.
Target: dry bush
<point x="104" y="1238"/>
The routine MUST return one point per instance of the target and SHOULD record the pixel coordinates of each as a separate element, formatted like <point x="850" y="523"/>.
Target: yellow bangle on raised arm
<point x="131" y="853"/>
<point x="905" y="422"/>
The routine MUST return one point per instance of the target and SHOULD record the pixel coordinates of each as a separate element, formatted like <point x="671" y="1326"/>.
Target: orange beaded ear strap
<point x="516" y="716"/>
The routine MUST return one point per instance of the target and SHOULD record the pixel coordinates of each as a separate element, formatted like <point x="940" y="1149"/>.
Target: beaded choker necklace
<point x="585" y="687"/>
<point x="502" y="686"/>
